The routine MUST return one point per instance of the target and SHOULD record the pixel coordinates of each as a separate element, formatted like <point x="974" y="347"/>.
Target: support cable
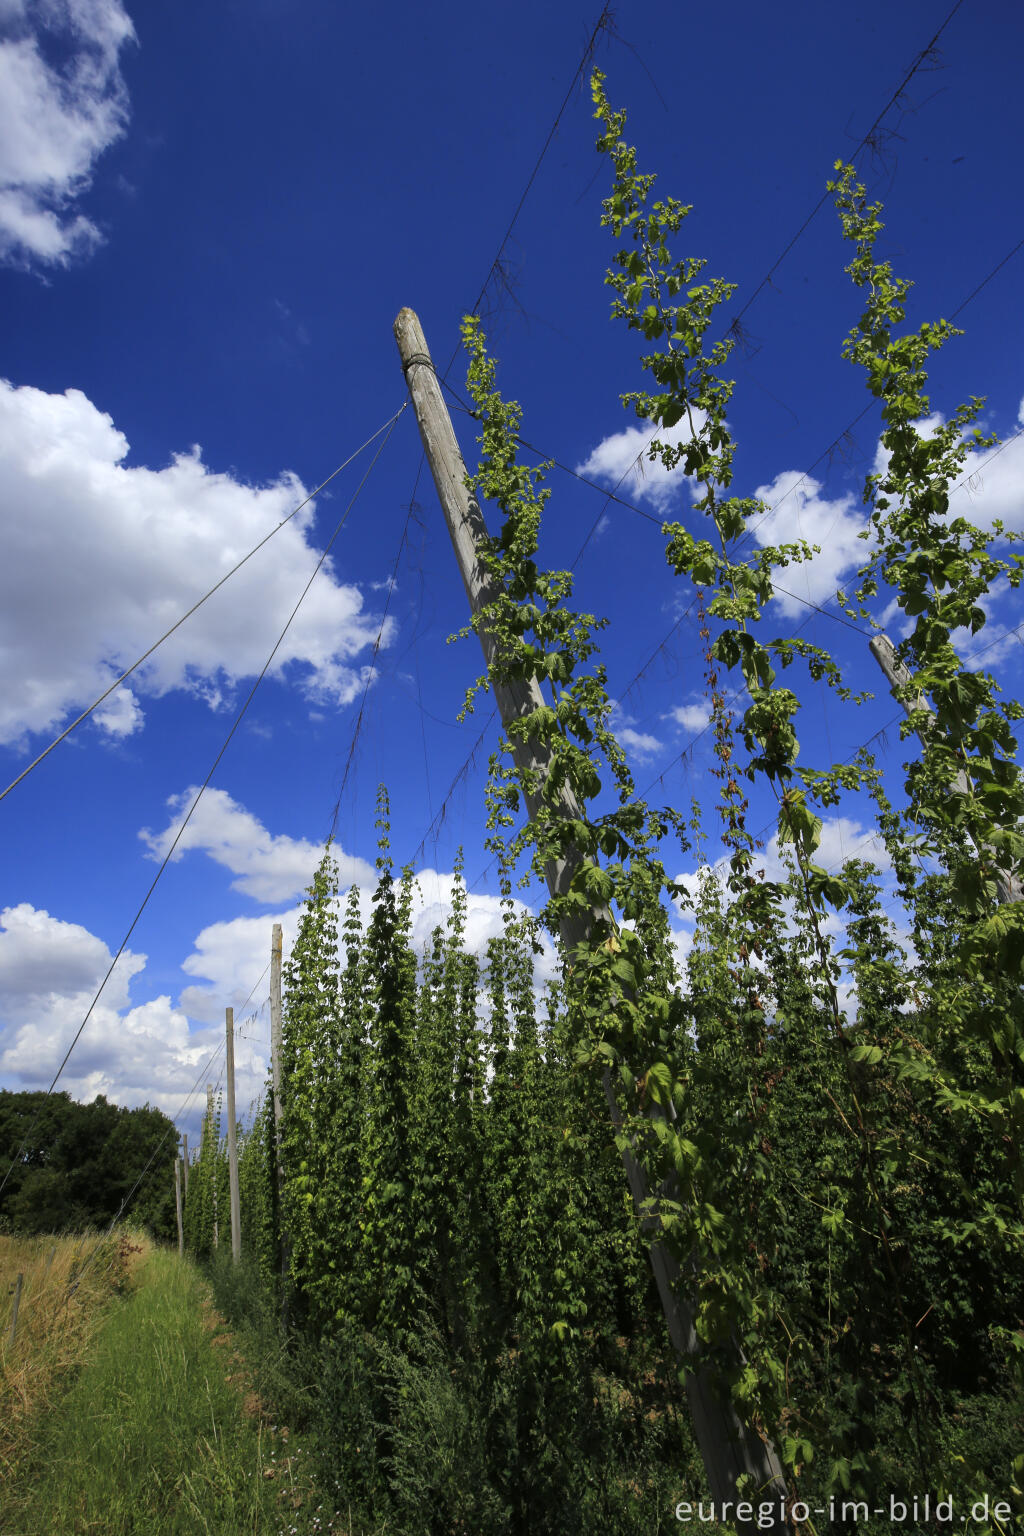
<point x="146" y="655"/>
<point x="373" y="659"/>
<point x="925" y="53"/>
<point x="603" y="21"/>
<point x="199" y="794"/>
<point x="827" y="454"/>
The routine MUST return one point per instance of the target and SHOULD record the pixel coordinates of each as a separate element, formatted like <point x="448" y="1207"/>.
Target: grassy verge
<point x="68" y="1286"/>
<point x="157" y="1434"/>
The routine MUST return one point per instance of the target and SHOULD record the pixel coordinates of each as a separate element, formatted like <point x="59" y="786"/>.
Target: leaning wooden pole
<point x="229" y="1072"/>
<point x="729" y="1449"/>
<point x="184" y="1162"/>
<point x="901" y="678"/>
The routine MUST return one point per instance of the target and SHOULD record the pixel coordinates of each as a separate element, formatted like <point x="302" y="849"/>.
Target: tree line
<point x="75" y="1165"/>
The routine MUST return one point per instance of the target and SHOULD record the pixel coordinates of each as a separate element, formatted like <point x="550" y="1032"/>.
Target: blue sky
<point x="209" y="218"/>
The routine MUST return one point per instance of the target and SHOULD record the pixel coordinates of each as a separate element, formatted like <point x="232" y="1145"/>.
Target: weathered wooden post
<point x="184" y="1162"/>
<point x="177" y="1206"/>
<point x="275" y="1077"/>
<point x="17" y="1303"/>
<point x="236" y="1215"/>
<point x="730" y="1450"/>
<point x="209" y="1133"/>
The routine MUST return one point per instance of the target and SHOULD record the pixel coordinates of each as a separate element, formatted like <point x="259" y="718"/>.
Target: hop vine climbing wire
<point x="196" y="606"/>
<point x="199" y="793"/>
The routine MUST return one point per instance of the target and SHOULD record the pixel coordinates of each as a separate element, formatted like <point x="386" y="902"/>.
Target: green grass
<point x="152" y="1438"/>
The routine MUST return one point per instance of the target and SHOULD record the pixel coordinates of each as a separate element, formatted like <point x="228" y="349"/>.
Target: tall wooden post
<point x="899" y="676"/>
<point x="229" y="1071"/>
<point x="209" y="1133"/>
<point x="275" y="1075"/>
<point x="177" y="1206"/>
<point x="729" y="1449"/>
<point x="184" y="1162"/>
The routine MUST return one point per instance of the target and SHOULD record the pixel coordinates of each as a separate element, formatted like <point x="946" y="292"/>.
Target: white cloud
<point x="42" y="957"/>
<point x="640" y="746"/>
<point x="56" y="119"/>
<point x="137" y="548"/>
<point x="803" y="513"/>
<point x="692" y="717"/>
<point x="615" y="458"/>
<point x="135" y="1053"/>
<point x="270" y="868"/>
<point x="842" y="837"/>
<point x="49" y="972"/>
<point x="154" y="1050"/>
<point x="990" y="485"/>
<point x="226" y="959"/>
<point x="228" y="956"/>
<point x="119" y="715"/>
<point x="994" y="487"/>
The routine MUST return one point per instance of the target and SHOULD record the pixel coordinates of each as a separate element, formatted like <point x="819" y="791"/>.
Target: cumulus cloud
<point x="227" y="956"/>
<point x="42" y="957"/>
<point x="62" y="103"/>
<point x="120" y="715"/>
<point x="133" y="1052"/>
<point x="622" y="457"/>
<point x="692" y="717"/>
<point x="269" y="867"/>
<point x="993" y="485"/>
<point x="137" y="1048"/>
<point x="802" y="512"/>
<point x="639" y="745"/>
<point x="137" y="548"/>
<point x="842" y="837"/>
<point x="49" y="972"/>
<point x="989" y="487"/>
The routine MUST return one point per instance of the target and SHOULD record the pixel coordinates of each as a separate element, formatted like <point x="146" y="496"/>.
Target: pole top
<point x="412" y="344"/>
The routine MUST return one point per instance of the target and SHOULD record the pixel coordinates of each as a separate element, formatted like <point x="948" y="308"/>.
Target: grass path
<point x="154" y="1437"/>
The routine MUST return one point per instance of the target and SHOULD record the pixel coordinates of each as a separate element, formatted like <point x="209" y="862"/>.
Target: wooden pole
<point x="729" y="1449"/>
<point x="17" y="1303"/>
<point x="209" y="1132"/>
<point x="236" y="1218"/>
<point x="275" y="1074"/>
<point x="899" y="677"/>
<point x="184" y="1162"/>
<point x="177" y="1206"/>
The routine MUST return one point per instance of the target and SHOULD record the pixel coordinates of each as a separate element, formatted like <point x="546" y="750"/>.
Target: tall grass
<point x="154" y="1436"/>
<point x="68" y="1286"/>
